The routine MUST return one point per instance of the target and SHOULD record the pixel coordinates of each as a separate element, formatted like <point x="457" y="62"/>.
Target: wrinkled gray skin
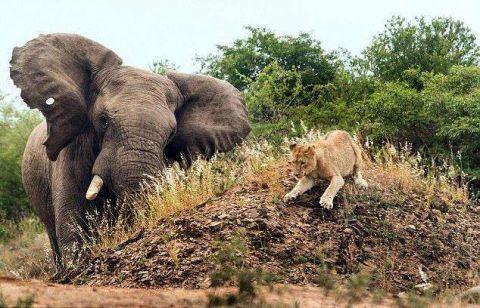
<point x="118" y="122"/>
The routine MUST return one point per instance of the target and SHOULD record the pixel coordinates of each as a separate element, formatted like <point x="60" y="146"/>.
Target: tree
<point x="428" y="46"/>
<point x="241" y="62"/>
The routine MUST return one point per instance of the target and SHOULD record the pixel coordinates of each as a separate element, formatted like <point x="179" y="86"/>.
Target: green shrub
<point x="396" y="112"/>
<point x="162" y="66"/>
<point x="278" y="98"/>
<point x="15" y="127"/>
<point x="441" y="119"/>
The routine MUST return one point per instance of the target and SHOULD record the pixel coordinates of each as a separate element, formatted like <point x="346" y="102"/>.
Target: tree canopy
<point x="426" y="45"/>
<point x="240" y="63"/>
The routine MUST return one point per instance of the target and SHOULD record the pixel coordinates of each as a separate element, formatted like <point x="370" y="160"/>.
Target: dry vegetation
<point x="396" y="173"/>
<point x="258" y="172"/>
<point x="28" y="255"/>
<point x="178" y="190"/>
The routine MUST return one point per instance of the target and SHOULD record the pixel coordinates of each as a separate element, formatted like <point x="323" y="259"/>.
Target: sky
<point x="141" y="31"/>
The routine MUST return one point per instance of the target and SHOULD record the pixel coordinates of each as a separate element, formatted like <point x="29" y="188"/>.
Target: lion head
<point x="303" y="157"/>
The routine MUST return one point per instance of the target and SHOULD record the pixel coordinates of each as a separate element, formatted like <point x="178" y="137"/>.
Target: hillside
<point x="405" y="226"/>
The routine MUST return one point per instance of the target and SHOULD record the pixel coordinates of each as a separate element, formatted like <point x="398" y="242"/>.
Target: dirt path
<point x="55" y="295"/>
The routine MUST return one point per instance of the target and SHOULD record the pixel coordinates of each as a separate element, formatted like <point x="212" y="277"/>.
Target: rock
<point x="411" y="228"/>
<point x="196" y="260"/>
<point x="423" y="286"/>
<point x="252" y="214"/>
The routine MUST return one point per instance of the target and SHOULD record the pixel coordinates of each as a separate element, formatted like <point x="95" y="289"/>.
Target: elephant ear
<point x="54" y="73"/>
<point x="211" y="117"/>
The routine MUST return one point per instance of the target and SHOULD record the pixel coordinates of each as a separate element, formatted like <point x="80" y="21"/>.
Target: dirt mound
<point x="394" y="239"/>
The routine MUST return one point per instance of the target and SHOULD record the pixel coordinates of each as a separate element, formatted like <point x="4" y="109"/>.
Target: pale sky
<point x="141" y="31"/>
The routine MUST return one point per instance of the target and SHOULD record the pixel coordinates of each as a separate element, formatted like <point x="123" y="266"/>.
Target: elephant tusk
<point x="94" y="187"/>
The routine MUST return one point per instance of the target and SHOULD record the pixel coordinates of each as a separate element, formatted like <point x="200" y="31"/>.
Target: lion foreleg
<point x="302" y="186"/>
<point x="336" y="183"/>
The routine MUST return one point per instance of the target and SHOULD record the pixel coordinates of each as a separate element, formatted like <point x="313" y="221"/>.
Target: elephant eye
<point x="103" y="119"/>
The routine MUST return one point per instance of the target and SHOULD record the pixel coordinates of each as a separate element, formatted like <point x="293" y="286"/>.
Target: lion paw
<point x="361" y="183"/>
<point x="289" y="197"/>
<point x="326" y="202"/>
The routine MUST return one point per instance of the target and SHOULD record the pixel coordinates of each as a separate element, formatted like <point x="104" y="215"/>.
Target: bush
<point x="162" y="66"/>
<point x="26" y="253"/>
<point x="15" y="127"/>
<point x="397" y="113"/>
<point x="442" y="119"/>
<point x="278" y="99"/>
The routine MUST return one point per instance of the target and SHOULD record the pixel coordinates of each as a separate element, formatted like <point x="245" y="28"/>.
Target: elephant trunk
<point x="123" y="171"/>
<point x="136" y="155"/>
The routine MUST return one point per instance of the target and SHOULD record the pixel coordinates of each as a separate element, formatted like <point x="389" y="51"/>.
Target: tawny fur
<point x="332" y="158"/>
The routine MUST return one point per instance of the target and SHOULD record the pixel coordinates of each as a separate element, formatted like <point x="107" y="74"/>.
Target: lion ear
<point x="292" y="146"/>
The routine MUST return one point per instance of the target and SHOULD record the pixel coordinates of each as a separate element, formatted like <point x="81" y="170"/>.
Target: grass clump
<point x="400" y="171"/>
<point x="25" y="302"/>
<point x="357" y="287"/>
<point x="28" y="254"/>
<point x="326" y="279"/>
<point x="412" y="300"/>
<point x="231" y="269"/>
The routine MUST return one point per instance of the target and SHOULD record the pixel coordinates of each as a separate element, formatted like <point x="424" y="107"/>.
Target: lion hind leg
<point x="357" y="167"/>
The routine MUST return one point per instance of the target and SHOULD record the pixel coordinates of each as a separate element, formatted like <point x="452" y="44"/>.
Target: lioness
<point x="334" y="157"/>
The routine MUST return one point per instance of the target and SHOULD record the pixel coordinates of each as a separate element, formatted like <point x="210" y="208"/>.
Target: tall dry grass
<point x="177" y="190"/>
<point x="397" y="170"/>
<point x="389" y="170"/>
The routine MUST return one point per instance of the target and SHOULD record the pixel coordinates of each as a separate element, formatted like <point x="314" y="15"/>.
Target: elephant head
<point x="136" y="119"/>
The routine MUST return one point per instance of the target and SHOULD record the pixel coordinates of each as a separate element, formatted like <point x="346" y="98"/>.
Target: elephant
<point x="108" y="126"/>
